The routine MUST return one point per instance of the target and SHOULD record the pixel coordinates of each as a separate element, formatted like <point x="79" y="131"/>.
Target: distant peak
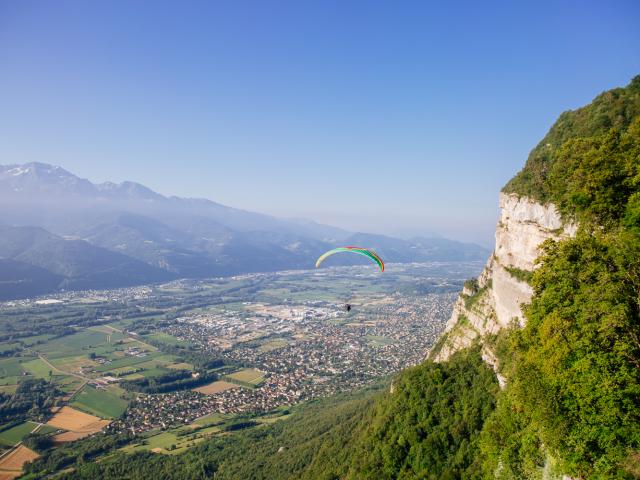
<point x="35" y="168"/>
<point x="16" y="171"/>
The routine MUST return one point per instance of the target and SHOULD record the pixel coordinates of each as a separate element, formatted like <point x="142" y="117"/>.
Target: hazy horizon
<point x="348" y="224"/>
<point x="326" y="112"/>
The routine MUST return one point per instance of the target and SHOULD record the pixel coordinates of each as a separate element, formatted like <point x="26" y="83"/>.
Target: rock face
<point x="494" y="300"/>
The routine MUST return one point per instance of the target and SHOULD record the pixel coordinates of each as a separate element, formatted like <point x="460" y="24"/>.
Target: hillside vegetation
<point x="574" y="371"/>
<point x="542" y="177"/>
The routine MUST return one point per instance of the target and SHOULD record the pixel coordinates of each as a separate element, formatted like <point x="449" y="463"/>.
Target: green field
<point x="272" y="344"/>
<point x="73" y="363"/>
<point x="10" y="367"/>
<point x="211" y="419"/>
<point x="379" y="341"/>
<point x="37" y="368"/>
<point x="9" y="381"/>
<point x="115" y="337"/>
<point x="179" y="366"/>
<point x="162" y="440"/>
<point x="6" y="347"/>
<point x="102" y="403"/>
<point x="31" y="341"/>
<point x="248" y="375"/>
<point x="124" y="362"/>
<point x="8" y="389"/>
<point x="167" y="339"/>
<point x="75" y="344"/>
<point x="15" y="434"/>
<point x="179" y="438"/>
<point x="154" y="372"/>
<point x="68" y="383"/>
<point x="162" y="443"/>
<point x="207" y="431"/>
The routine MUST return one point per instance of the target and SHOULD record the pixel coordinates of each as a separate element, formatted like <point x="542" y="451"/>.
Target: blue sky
<point x="393" y="117"/>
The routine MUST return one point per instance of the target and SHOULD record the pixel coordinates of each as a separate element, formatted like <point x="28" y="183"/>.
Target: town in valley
<point x="172" y="364"/>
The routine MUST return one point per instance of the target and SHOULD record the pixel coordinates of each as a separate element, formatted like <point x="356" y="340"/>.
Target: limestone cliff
<point x="494" y="300"/>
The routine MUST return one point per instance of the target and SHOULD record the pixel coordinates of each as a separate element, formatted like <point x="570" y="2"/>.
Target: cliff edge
<point x="494" y="299"/>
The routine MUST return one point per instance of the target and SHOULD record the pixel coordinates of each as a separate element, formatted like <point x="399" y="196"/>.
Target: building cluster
<point x="116" y="295"/>
<point x="306" y="351"/>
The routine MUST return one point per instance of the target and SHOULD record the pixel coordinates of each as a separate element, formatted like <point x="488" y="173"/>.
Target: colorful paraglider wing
<point x="359" y="250"/>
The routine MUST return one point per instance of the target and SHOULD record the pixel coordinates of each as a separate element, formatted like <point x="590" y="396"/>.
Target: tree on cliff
<point x="574" y="370"/>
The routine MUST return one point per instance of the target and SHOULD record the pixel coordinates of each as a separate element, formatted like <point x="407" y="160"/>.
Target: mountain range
<point x="60" y="231"/>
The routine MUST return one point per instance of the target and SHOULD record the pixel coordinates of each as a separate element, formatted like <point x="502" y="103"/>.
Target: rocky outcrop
<point x="494" y="300"/>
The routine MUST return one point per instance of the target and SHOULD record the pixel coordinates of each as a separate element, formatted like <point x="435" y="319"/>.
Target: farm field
<point x="211" y="419"/>
<point x="70" y="436"/>
<point x="180" y="366"/>
<point x="37" y="368"/>
<point x="103" y="403"/>
<point x="69" y="345"/>
<point x="273" y="344"/>
<point x="8" y="347"/>
<point x="68" y="384"/>
<point x="151" y="371"/>
<point x="15" y="434"/>
<point x="216" y="387"/>
<point x="9" y="382"/>
<point x="167" y="339"/>
<point x="248" y="375"/>
<point x="10" y="367"/>
<point x="36" y="339"/>
<point x="11" y="464"/>
<point x="174" y="441"/>
<point x="379" y="341"/>
<point x="73" y="363"/>
<point x="160" y="443"/>
<point x="128" y="361"/>
<point x="11" y="370"/>
<point x="68" y="418"/>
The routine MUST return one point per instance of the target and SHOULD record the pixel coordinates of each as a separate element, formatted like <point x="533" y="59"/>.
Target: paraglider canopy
<point x="359" y="250"/>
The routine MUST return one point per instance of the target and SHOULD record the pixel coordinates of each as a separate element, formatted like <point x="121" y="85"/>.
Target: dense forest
<point x="33" y="398"/>
<point x="570" y="405"/>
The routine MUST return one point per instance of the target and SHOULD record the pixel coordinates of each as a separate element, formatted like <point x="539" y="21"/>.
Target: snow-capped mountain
<point x="183" y="237"/>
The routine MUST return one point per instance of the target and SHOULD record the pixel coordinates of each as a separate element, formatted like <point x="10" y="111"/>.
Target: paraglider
<point x="359" y="250"/>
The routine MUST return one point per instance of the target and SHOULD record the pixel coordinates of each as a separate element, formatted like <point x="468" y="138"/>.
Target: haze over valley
<point x="63" y="232"/>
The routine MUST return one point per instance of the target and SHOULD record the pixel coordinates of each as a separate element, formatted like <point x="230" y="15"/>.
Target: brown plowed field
<point x="11" y="464"/>
<point x="78" y="424"/>
<point x="68" y="418"/>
